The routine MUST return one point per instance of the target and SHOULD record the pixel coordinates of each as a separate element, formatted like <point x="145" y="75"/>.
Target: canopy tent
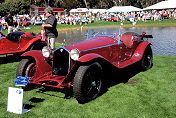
<point x="97" y="10"/>
<point x="124" y="9"/>
<point x="79" y="10"/>
<point x="162" y="5"/>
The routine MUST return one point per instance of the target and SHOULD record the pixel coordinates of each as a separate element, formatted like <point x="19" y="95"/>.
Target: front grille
<point x="61" y="62"/>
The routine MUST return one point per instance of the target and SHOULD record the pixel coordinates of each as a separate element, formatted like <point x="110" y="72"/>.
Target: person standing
<point x="9" y="22"/>
<point x="50" y="28"/>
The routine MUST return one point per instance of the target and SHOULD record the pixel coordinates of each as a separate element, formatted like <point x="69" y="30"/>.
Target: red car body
<point x="18" y="42"/>
<point x="112" y="18"/>
<point x="22" y="23"/>
<point x="62" y="71"/>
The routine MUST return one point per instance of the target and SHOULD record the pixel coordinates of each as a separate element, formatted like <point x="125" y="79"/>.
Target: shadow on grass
<point x="9" y="58"/>
<point x="113" y="77"/>
<point x="36" y="100"/>
<point x="33" y="100"/>
<point x="68" y="92"/>
<point x="28" y="106"/>
<point x="117" y="76"/>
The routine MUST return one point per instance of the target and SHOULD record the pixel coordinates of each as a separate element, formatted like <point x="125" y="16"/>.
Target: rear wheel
<point x="26" y="68"/>
<point x="147" y="59"/>
<point x="88" y="82"/>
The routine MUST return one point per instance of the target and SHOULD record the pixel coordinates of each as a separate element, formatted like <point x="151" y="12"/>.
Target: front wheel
<point x="26" y="68"/>
<point x="88" y="82"/>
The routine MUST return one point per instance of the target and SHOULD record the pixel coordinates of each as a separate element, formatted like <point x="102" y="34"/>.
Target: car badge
<point x="61" y="50"/>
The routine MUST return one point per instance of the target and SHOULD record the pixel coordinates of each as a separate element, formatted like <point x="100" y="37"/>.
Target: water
<point x="163" y="43"/>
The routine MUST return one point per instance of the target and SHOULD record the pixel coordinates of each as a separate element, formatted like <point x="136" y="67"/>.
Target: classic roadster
<point x="18" y="42"/>
<point x="81" y="66"/>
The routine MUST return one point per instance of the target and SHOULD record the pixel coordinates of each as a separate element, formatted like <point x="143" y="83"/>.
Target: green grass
<point x="153" y="97"/>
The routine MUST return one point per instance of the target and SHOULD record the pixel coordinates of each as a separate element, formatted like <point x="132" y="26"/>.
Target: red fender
<point x="89" y="57"/>
<point x="30" y="43"/>
<point x="41" y="64"/>
<point x="137" y="55"/>
<point x="139" y="52"/>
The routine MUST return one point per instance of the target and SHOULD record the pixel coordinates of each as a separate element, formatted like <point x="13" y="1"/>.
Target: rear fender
<point x="42" y="65"/>
<point x="31" y="42"/>
<point x="89" y="57"/>
<point x="139" y="52"/>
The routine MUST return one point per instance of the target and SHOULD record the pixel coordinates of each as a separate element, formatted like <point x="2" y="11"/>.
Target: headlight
<point x="46" y="52"/>
<point x="74" y="54"/>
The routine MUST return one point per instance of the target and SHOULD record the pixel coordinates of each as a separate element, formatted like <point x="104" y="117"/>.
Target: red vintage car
<point x="19" y="42"/>
<point x="82" y="66"/>
<point x="112" y="18"/>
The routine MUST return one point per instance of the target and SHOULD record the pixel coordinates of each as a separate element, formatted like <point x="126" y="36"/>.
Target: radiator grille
<point x="61" y="62"/>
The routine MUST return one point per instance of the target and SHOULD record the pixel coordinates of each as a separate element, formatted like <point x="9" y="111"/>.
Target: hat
<point x="49" y="10"/>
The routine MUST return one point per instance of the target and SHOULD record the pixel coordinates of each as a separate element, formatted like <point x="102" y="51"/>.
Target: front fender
<point x="89" y="57"/>
<point x="139" y="52"/>
<point x="42" y="65"/>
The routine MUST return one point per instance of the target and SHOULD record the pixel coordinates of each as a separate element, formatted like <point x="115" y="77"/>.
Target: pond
<point x="163" y="43"/>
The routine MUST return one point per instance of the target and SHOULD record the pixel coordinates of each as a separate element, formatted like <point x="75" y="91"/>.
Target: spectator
<point x="50" y="28"/>
<point x="175" y="15"/>
<point x="9" y="22"/>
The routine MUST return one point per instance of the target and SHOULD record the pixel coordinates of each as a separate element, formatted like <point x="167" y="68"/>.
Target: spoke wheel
<point x="88" y="82"/>
<point x="26" y="68"/>
<point x="30" y="70"/>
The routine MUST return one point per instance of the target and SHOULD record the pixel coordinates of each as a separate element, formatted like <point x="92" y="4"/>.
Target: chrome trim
<point x="102" y="47"/>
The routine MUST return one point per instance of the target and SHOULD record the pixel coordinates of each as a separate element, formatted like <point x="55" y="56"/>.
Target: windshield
<point x="97" y="34"/>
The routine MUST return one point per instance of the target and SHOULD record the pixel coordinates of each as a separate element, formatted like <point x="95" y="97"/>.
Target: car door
<point x="126" y="49"/>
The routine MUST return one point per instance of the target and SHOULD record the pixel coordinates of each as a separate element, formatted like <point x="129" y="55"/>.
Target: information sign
<point x="21" y="81"/>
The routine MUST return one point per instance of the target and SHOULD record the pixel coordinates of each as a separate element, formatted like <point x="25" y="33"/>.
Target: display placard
<point x="15" y="100"/>
<point x="21" y="81"/>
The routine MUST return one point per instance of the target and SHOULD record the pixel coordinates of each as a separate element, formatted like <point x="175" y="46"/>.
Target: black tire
<point x="38" y="46"/>
<point x="147" y="59"/>
<point x="26" y="68"/>
<point x="88" y="82"/>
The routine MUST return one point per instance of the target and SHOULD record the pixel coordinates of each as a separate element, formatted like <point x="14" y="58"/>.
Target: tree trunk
<point x="115" y="2"/>
<point x="85" y="3"/>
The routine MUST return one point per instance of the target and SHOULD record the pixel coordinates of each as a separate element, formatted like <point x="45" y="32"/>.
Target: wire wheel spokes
<point x="147" y="60"/>
<point x="30" y="70"/>
<point x="92" y="83"/>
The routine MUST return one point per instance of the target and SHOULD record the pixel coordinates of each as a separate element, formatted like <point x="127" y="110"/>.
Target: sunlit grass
<point x="153" y="97"/>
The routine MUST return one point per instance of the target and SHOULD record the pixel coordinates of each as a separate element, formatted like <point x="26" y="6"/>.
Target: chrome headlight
<point x="46" y="51"/>
<point x="74" y="54"/>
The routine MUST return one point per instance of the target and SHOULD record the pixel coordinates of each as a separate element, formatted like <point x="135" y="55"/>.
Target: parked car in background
<point x="82" y="66"/>
<point x="20" y="42"/>
<point x="112" y="18"/>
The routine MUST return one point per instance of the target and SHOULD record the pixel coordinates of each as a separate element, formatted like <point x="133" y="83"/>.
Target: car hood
<point x="92" y="43"/>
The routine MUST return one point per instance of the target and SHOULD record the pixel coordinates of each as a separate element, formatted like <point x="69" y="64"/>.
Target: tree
<point x="22" y="6"/>
<point x="14" y="7"/>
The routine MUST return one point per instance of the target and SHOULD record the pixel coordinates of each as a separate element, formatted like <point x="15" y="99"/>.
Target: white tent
<point x="124" y="9"/>
<point x="79" y="10"/>
<point x="97" y="10"/>
<point x="162" y="5"/>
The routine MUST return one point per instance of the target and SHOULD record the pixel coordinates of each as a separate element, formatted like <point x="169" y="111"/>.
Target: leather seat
<point x="14" y="36"/>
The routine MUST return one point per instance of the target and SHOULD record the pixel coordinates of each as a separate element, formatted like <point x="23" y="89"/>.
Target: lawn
<point x="153" y="96"/>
